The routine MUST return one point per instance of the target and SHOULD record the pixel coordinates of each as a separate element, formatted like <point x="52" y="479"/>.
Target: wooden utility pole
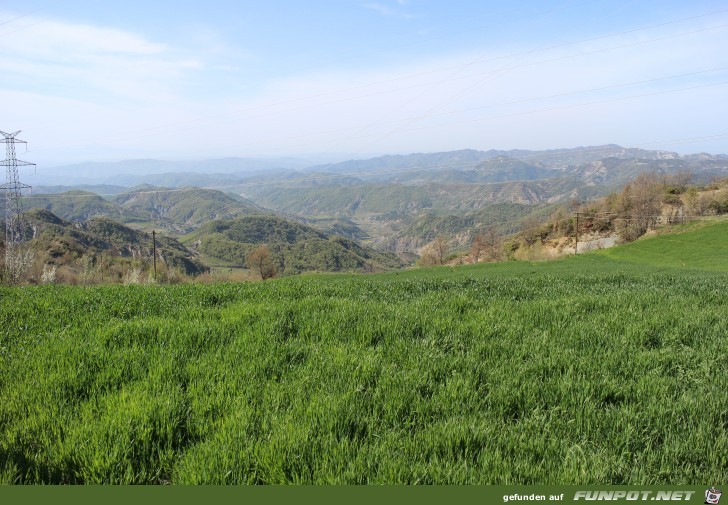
<point x="154" y="252"/>
<point x="576" y="235"/>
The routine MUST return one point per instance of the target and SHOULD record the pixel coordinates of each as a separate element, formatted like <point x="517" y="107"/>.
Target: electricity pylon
<point x="14" y="232"/>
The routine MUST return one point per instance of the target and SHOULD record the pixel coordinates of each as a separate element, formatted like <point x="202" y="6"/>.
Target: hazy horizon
<point x="88" y="81"/>
<point x="324" y="158"/>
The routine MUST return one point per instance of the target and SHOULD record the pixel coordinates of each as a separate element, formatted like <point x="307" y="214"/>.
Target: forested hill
<point x="65" y="244"/>
<point x="187" y="208"/>
<point x="179" y="209"/>
<point x="294" y="247"/>
<point x="78" y="205"/>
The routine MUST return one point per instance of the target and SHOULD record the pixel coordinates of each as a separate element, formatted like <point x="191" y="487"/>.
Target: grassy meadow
<point x="605" y="368"/>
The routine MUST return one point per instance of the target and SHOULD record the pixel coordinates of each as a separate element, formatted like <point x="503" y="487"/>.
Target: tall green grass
<point x="588" y="370"/>
<point x="705" y="248"/>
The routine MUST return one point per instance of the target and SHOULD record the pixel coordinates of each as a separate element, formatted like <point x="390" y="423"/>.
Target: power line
<point x="558" y="58"/>
<point x="647" y="81"/>
<point x="397" y="130"/>
<point x="581" y="54"/>
<point x="36" y="23"/>
<point x="494" y="73"/>
<point x="686" y="141"/>
<point x="26" y="14"/>
<point x="609" y="100"/>
<point x="523" y="53"/>
<point x="501" y="104"/>
<point x="582" y="91"/>
<point x="450" y="100"/>
<point x="500" y="116"/>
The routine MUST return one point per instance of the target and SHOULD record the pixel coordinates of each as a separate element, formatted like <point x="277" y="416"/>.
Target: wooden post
<point x="154" y="252"/>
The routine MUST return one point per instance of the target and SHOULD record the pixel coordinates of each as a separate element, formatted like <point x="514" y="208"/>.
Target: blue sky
<point x="92" y="79"/>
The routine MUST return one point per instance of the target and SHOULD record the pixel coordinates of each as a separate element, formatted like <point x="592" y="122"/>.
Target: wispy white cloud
<point x="71" y="83"/>
<point x="386" y="10"/>
<point x="87" y="86"/>
<point x="72" y="59"/>
<point x="527" y="101"/>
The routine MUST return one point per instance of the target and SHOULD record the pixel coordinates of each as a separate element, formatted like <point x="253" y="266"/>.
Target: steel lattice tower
<point x="13" y="208"/>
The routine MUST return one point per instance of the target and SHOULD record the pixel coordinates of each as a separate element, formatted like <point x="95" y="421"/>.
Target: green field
<point x="604" y="368"/>
<point x="704" y="248"/>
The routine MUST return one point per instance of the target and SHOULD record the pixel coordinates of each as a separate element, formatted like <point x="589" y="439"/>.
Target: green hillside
<point x="63" y="243"/>
<point x="366" y="200"/>
<point x="335" y="201"/>
<point x="181" y="210"/>
<point x="79" y="205"/>
<point x="589" y="370"/>
<point x="336" y="226"/>
<point x="705" y="248"/>
<point x="295" y="247"/>
<point x="499" y="169"/>
<point x="186" y="208"/>
<point x="99" y="189"/>
<point x="615" y="172"/>
<point x="505" y="217"/>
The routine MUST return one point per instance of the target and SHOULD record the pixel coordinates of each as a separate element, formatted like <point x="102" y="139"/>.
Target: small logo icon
<point x="712" y="496"/>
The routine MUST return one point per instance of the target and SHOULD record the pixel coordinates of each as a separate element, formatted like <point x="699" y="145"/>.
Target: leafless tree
<point x="640" y="205"/>
<point x="530" y="230"/>
<point x="678" y="182"/>
<point x="493" y="244"/>
<point x="260" y="260"/>
<point x="434" y="253"/>
<point x="440" y="248"/>
<point x="477" y="248"/>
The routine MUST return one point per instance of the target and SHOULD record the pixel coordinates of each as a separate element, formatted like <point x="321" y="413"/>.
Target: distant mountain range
<point x="146" y="171"/>
<point x="230" y="171"/>
<point x="468" y="159"/>
<point x="394" y="202"/>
